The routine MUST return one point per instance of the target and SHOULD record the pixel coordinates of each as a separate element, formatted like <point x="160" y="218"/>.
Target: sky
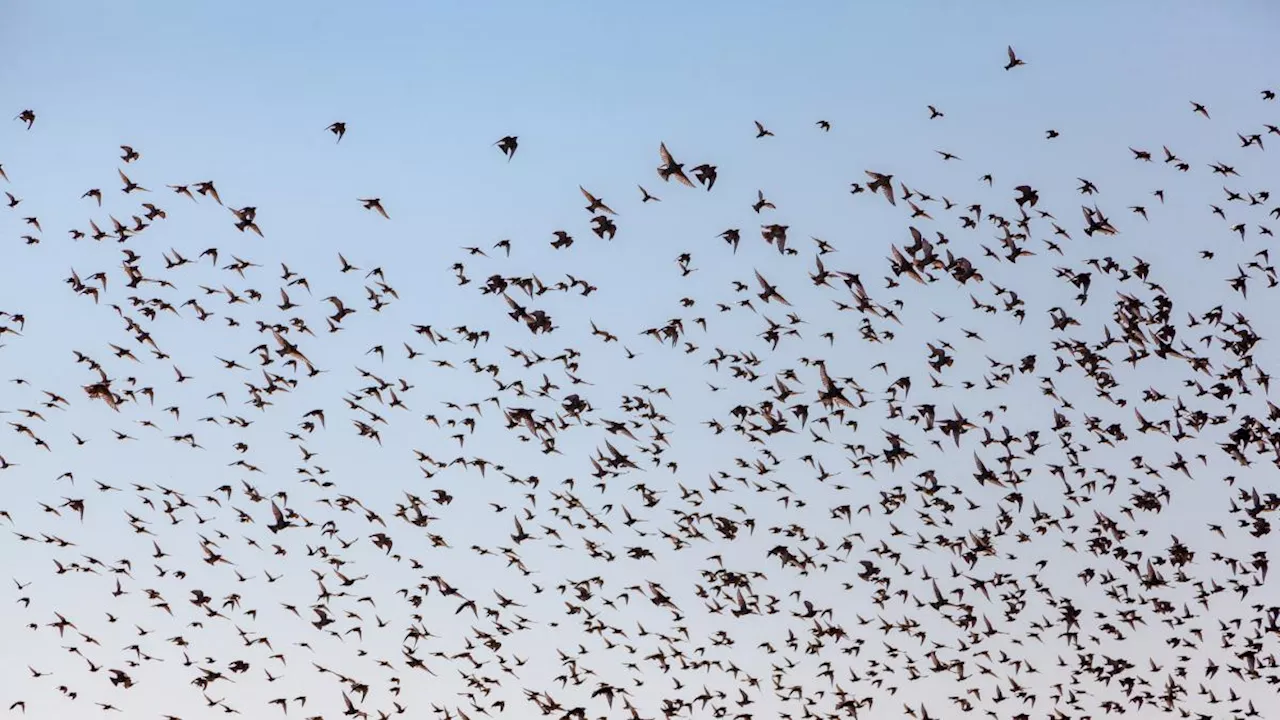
<point x="241" y="94"/>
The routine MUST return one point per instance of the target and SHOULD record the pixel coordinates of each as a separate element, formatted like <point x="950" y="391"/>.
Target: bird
<point x="883" y="184"/>
<point x="339" y="129"/>
<point x="375" y="204"/>
<point x="761" y="203"/>
<point x="508" y="144"/>
<point x="1026" y="196"/>
<point x="129" y="185"/>
<point x="670" y="168"/>
<point x="203" y="188"/>
<point x="1014" y="60"/>
<point x="594" y="205"/>
<point x="706" y="175"/>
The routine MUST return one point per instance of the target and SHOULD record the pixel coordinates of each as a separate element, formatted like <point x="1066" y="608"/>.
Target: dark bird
<point x="508" y="146"/>
<point x="594" y="204"/>
<point x="374" y="204"/>
<point x="883" y="184"/>
<point x="670" y="168"/>
<point x="129" y="185"/>
<point x="1014" y="61"/>
<point x="706" y="175"/>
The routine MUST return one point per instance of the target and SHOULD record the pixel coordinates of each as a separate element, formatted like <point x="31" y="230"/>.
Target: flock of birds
<point x="976" y="532"/>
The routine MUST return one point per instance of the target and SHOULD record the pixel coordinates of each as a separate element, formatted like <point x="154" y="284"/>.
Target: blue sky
<point x="241" y="94"/>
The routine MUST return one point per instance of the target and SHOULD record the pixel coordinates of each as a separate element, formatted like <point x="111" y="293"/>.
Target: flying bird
<point x="1014" y="60"/>
<point x="374" y="204"/>
<point x="508" y="145"/>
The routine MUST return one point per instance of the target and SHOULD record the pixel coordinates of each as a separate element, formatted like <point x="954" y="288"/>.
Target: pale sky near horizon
<point x="241" y="94"/>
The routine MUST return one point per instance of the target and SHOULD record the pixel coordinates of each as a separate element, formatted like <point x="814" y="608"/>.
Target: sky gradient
<point x="241" y="95"/>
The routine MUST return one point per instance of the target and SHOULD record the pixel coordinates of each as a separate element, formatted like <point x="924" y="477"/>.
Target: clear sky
<point x="241" y="94"/>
